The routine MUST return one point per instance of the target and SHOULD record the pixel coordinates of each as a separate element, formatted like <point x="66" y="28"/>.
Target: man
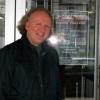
<point x="29" y="66"/>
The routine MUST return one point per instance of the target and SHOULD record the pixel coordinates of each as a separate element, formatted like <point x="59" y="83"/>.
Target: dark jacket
<point x="26" y="74"/>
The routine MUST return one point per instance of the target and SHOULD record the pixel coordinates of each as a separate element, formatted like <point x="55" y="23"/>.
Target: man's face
<point x="38" y="27"/>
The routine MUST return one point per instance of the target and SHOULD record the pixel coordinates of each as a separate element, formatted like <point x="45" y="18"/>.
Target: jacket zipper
<point x="40" y="76"/>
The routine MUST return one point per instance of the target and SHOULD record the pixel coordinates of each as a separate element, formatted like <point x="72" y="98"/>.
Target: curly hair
<point x="24" y="19"/>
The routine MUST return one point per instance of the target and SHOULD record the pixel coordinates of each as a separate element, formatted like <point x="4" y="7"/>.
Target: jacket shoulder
<point x="8" y="51"/>
<point x="11" y="47"/>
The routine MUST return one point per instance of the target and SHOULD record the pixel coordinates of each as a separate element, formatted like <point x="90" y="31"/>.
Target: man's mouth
<point x="39" y="34"/>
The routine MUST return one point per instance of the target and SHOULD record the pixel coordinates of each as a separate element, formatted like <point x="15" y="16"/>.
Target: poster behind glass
<point x="72" y="30"/>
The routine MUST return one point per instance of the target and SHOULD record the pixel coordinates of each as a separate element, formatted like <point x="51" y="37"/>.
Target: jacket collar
<point x="43" y="48"/>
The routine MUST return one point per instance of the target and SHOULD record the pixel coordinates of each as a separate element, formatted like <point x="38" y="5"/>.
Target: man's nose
<point x="42" y="29"/>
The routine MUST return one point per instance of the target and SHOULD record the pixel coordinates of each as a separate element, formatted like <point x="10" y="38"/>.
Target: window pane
<point x="2" y="23"/>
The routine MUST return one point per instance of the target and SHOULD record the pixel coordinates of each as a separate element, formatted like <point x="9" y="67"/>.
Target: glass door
<point x="76" y="51"/>
<point x="75" y="25"/>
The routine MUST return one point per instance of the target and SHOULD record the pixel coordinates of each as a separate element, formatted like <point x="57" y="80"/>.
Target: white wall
<point x="14" y="10"/>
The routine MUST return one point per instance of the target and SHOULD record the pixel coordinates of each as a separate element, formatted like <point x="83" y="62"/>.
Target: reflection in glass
<point x="74" y="24"/>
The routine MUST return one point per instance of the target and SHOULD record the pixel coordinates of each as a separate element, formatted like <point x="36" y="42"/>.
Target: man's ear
<point x="27" y="25"/>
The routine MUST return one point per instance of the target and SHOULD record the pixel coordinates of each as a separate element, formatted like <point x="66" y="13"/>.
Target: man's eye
<point x="38" y="24"/>
<point x="47" y="27"/>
